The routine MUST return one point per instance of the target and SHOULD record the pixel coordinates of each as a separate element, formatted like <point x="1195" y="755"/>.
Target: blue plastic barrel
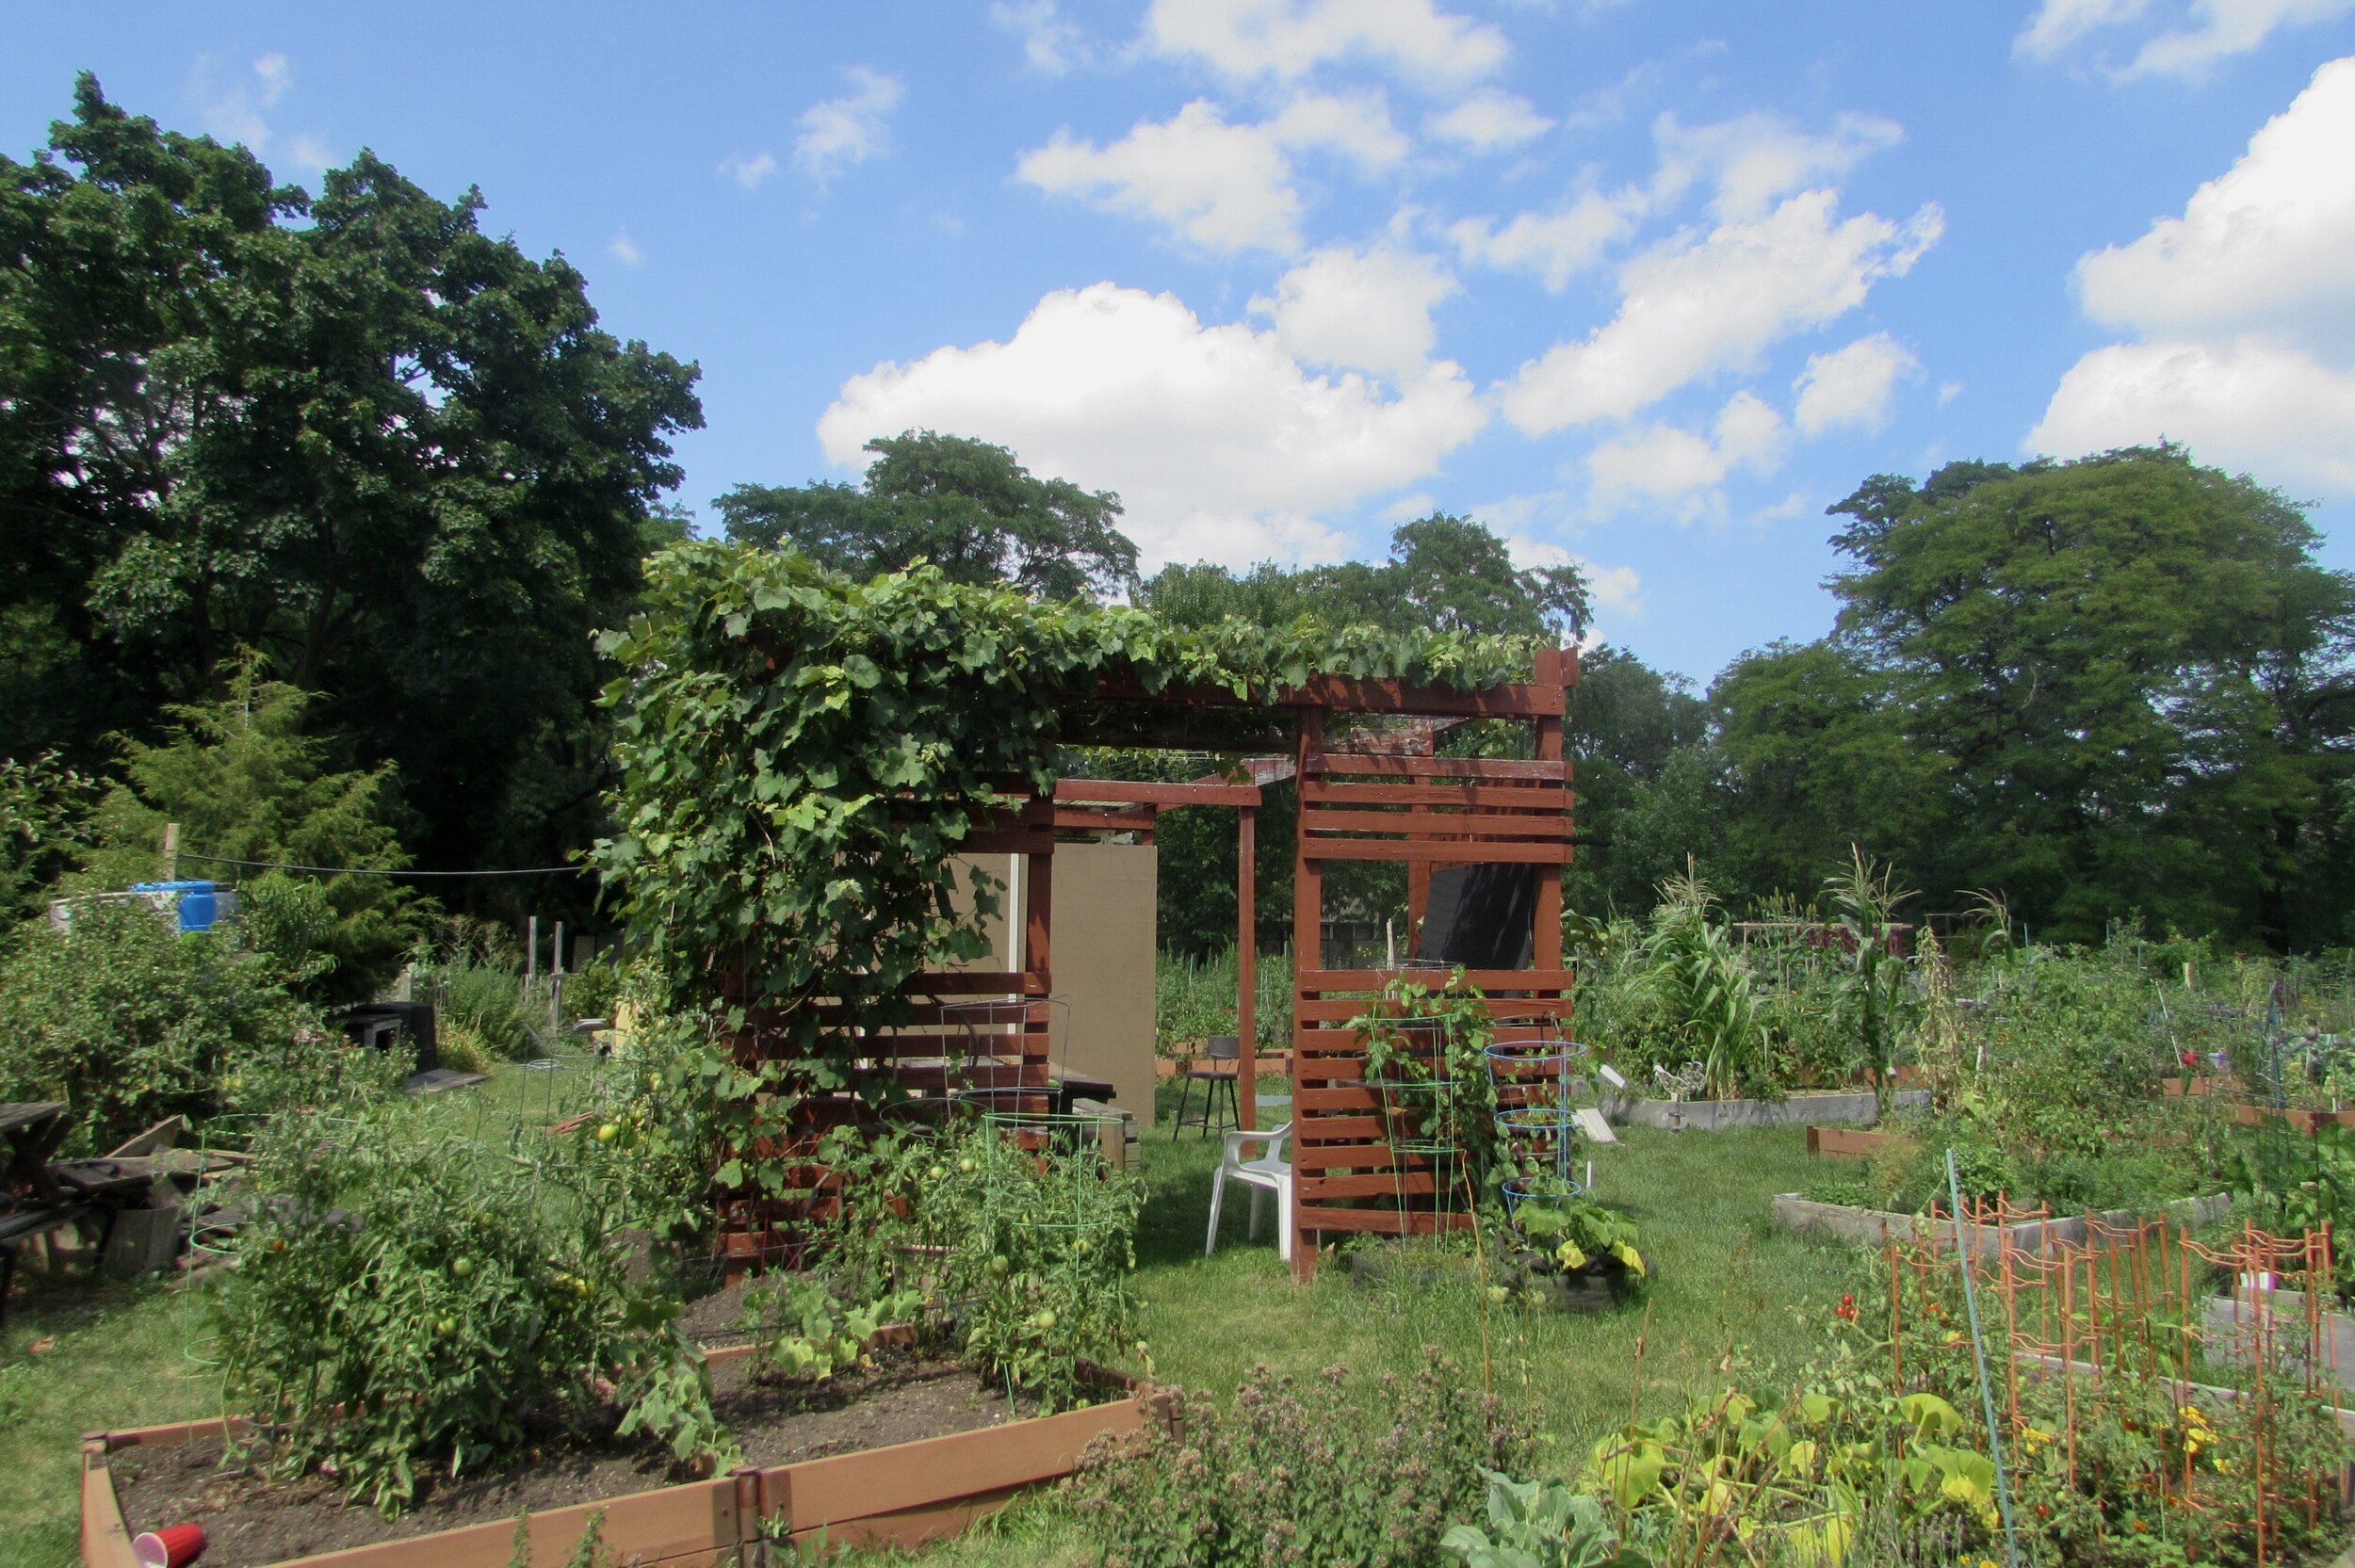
<point x="193" y="902"/>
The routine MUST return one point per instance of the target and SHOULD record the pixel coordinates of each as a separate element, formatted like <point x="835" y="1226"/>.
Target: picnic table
<point x="31" y="1200"/>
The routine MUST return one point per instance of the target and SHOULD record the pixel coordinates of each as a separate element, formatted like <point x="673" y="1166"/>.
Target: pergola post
<point x="1247" y="966"/>
<point x="1308" y="954"/>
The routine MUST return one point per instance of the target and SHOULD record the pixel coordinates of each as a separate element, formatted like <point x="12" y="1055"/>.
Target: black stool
<point x="1219" y="1047"/>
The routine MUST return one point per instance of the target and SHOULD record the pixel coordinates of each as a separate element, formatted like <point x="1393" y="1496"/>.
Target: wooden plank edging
<point x="909" y="1494"/>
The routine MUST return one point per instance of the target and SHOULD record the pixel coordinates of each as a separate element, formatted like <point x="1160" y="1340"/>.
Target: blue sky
<point x="1642" y="285"/>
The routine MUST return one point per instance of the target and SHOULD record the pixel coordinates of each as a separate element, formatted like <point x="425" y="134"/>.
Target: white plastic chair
<point x="1270" y="1172"/>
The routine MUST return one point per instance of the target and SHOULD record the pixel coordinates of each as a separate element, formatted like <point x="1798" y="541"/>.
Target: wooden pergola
<point x="1365" y="794"/>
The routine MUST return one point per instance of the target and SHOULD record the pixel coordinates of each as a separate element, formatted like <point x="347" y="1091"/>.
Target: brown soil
<point x="251" y="1520"/>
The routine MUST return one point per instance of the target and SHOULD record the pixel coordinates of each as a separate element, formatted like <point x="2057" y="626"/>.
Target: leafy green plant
<point x="801" y="757"/>
<point x="1873" y="1001"/>
<point x="128" y="1022"/>
<point x="407" y="1301"/>
<point x="1708" y="996"/>
<point x="1576" y="1234"/>
<point x="801" y="1329"/>
<point x="1425" y="1061"/>
<point x="44" y="830"/>
<point x="1540" y="1525"/>
<point x="1302" y="1471"/>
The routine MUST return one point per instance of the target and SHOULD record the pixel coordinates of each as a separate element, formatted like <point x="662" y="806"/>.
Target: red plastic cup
<point x="169" y="1547"/>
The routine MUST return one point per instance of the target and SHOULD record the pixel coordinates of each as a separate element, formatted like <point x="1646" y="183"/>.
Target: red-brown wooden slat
<point x="1488" y="980"/>
<point x="1387" y="1222"/>
<point x="1492" y="851"/>
<point x="1481" y="797"/>
<point x="1461" y="825"/>
<point x="1488" y="768"/>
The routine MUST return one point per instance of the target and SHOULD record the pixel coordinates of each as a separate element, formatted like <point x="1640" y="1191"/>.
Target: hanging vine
<point x="803" y="757"/>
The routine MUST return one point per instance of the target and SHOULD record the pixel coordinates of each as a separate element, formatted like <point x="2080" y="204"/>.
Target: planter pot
<point x="1718" y="1115"/>
<point x="1873" y="1226"/>
<point x="1602" y="1286"/>
<point x="908" y="1494"/>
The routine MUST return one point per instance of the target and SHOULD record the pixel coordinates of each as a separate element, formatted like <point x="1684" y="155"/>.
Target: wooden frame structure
<point x="1366" y="794"/>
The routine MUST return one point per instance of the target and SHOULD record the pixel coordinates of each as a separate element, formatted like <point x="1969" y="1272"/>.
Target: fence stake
<point x="1978" y="1354"/>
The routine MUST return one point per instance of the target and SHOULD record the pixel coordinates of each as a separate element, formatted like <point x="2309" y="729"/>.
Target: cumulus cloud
<point x="625" y="250"/>
<point x="1359" y="310"/>
<point x="1489" y="121"/>
<point x="843" y="132"/>
<point x="1287" y="38"/>
<point x="1555" y="246"/>
<point x="1756" y="159"/>
<point x="2219" y="28"/>
<point x="2265" y="245"/>
<point x="310" y="152"/>
<point x="1666" y="464"/>
<point x="749" y="171"/>
<point x="2245" y="404"/>
<point x="2244" y="312"/>
<point x="1223" y="447"/>
<point x="1226" y="187"/>
<point x="1852" y="388"/>
<point x="1694" y="307"/>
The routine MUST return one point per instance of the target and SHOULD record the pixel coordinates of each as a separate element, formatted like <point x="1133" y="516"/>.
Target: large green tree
<point x="390" y="452"/>
<point x="1628" y="724"/>
<point x="968" y="507"/>
<point x="2138" y="682"/>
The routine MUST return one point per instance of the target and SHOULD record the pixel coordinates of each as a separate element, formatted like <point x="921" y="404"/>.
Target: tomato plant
<point x="406" y="1300"/>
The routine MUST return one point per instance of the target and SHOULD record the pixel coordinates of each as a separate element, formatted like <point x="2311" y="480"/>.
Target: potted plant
<point x="1580" y="1254"/>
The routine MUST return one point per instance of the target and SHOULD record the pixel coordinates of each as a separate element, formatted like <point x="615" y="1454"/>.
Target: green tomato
<point x="445" y="1327"/>
<point x="608" y="1133"/>
<point x="1043" y="1319"/>
<point x="999" y="1267"/>
<point x="965" y="1165"/>
<point x="462" y="1267"/>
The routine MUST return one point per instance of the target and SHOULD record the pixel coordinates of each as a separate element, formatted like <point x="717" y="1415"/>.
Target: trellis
<point x="1365" y="794"/>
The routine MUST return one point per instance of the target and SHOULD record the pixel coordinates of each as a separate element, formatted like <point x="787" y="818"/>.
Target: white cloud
<point x="1693" y="308"/>
<point x="2059" y="23"/>
<point x="1221" y="446"/>
<point x="1287" y="38"/>
<point x="1852" y="388"/>
<point x="2264" y="246"/>
<point x="1051" y="45"/>
<point x="1555" y="244"/>
<point x="846" y="131"/>
<point x="1665" y="463"/>
<point x="2243" y="404"/>
<point x="1357" y="127"/>
<point x="2219" y="28"/>
<point x="1415" y="504"/>
<point x="232" y="111"/>
<point x="625" y="250"/>
<point x="1488" y="121"/>
<point x="1611" y="588"/>
<point x="749" y="171"/>
<point x="1757" y="159"/>
<point x="2244" y="310"/>
<point x="1362" y="311"/>
<point x="1948" y="392"/>
<point x="1222" y="186"/>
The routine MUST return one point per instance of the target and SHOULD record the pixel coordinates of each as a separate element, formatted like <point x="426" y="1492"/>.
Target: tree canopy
<point x="388" y="451"/>
<point x="969" y="508"/>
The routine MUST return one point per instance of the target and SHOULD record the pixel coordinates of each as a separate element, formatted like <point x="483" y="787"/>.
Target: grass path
<point x="119" y="1355"/>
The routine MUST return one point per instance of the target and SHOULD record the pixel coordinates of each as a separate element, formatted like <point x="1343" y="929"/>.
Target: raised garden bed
<point x="920" y="1457"/>
<point x="2307" y="1121"/>
<point x="1796" y="1110"/>
<point x="1874" y="1227"/>
<point x="1850" y="1142"/>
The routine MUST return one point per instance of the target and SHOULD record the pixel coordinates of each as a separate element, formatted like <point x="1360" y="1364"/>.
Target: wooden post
<point x="1552" y="670"/>
<point x="555" y="951"/>
<point x="1247" y="967"/>
<point x="531" y="953"/>
<point x="1308" y="954"/>
<point x="172" y="851"/>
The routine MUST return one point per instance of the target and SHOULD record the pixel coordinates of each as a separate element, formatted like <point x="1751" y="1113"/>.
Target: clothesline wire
<point x="380" y="870"/>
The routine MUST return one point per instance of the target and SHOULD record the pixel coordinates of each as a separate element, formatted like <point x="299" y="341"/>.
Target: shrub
<point x="407" y="1301"/>
<point x="128" y="1022"/>
<point x="1303" y="1472"/>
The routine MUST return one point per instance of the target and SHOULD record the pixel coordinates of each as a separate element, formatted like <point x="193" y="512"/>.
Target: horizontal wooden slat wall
<point x="979" y="1031"/>
<point x="1425" y="811"/>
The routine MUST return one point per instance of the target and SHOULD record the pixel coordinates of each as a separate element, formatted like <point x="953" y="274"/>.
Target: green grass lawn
<point x="1724" y="1284"/>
